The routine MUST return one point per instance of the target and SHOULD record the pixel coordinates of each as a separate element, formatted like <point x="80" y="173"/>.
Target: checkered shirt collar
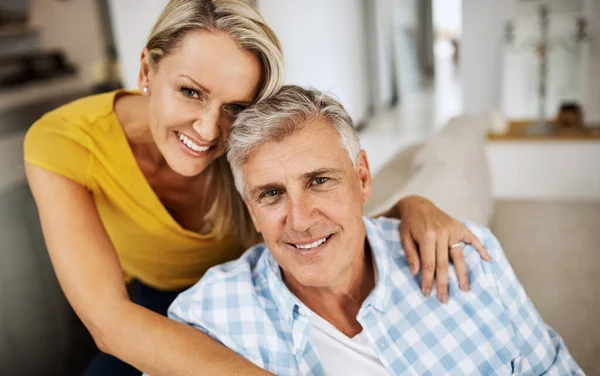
<point x="379" y="298"/>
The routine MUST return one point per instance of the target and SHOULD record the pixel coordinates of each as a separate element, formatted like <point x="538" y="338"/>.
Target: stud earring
<point x="145" y="90"/>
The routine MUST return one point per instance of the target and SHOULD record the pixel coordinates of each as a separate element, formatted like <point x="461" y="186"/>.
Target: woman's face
<point x="196" y="91"/>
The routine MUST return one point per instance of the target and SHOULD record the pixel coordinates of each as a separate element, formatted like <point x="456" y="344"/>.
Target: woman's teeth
<point x="311" y="245"/>
<point x="190" y="144"/>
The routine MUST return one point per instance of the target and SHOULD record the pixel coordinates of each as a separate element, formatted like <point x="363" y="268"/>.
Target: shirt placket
<point x="373" y="325"/>
<point x="300" y="334"/>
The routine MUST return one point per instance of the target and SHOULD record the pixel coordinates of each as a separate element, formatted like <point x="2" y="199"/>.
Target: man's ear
<point x="364" y="175"/>
<point x="145" y="71"/>
<point x="251" y="211"/>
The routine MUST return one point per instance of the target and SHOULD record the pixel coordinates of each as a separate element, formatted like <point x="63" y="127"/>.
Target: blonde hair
<point x="243" y="22"/>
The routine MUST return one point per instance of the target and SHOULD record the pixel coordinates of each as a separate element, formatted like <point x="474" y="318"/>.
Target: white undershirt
<point x="341" y="355"/>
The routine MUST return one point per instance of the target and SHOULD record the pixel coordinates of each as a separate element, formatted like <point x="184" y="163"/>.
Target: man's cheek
<point x="337" y="200"/>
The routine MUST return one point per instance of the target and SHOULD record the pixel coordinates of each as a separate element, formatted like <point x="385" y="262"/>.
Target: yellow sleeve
<point x="57" y="145"/>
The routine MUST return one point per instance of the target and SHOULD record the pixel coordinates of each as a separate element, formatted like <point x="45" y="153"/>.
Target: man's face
<point x="306" y="198"/>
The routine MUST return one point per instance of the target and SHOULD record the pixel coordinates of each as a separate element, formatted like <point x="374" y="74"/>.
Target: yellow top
<point x="85" y="142"/>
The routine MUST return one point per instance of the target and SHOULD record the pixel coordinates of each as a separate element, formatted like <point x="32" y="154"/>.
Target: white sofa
<point x="450" y="168"/>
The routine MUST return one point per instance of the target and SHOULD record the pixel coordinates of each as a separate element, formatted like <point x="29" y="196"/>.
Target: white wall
<point x="406" y="46"/>
<point x="324" y="46"/>
<point x="131" y="25"/>
<point x="380" y="52"/>
<point x="447" y="16"/>
<point x="481" y="53"/>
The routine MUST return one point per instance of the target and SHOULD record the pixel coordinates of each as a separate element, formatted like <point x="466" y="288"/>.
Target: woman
<point x="136" y="187"/>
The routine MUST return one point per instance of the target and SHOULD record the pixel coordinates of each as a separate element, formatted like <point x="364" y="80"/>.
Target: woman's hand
<point x="429" y="231"/>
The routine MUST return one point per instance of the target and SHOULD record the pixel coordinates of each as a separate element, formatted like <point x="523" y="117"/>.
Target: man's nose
<point x="301" y="214"/>
<point x="207" y="124"/>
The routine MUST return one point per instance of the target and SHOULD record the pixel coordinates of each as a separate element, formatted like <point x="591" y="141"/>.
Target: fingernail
<point x="413" y="269"/>
<point x="443" y="298"/>
<point x="467" y="287"/>
<point x="426" y="292"/>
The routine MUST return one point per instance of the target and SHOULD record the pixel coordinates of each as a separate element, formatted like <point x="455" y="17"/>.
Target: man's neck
<point x="339" y="303"/>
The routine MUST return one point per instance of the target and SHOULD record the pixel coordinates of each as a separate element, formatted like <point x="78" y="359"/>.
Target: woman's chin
<point x="186" y="167"/>
<point x="188" y="163"/>
<point x="189" y="169"/>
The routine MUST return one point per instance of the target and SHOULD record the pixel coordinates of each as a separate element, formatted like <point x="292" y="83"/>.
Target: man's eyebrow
<point x="266" y="187"/>
<point x="196" y="82"/>
<point x="322" y="171"/>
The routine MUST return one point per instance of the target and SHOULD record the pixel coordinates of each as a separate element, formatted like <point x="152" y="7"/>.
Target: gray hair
<point x="281" y="115"/>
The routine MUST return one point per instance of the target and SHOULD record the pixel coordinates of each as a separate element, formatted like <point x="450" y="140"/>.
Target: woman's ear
<point x="145" y="70"/>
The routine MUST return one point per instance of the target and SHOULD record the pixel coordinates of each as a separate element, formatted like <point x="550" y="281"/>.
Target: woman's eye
<point x="190" y="92"/>
<point x="235" y="108"/>
<point x="319" y="181"/>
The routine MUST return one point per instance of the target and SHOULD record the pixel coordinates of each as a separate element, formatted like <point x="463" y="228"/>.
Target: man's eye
<point x="235" y="108"/>
<point x="319" y="181"/>
<point x="271" y="193"/>
<point x="189" y="92"/>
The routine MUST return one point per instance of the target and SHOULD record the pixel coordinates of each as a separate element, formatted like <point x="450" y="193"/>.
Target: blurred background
<point x="490" y="108"/>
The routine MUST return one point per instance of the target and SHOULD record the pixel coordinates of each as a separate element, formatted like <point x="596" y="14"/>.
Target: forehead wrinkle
<point x="277" y="155"/>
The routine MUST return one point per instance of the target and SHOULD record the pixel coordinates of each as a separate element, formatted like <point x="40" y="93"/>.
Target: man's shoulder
<point x="241" y="269"/>
<point x="487" y="239"/>
<point x="225" y="291"/>
<point x="223" y="284"/>
<point x="388" y="231"/>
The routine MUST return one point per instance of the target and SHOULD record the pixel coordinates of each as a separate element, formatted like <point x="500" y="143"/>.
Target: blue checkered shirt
<point x="492" y="330"/>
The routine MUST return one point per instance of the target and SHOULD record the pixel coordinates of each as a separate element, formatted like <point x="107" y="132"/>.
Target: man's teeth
<point x="311" y="245"/>
<point x="190" y="144"/>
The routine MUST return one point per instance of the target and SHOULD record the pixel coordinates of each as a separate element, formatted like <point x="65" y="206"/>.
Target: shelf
<point x="11" y="98"/>
<point x="517" y="132"/>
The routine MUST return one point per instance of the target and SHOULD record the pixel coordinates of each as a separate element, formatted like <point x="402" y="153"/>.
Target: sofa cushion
<point x="450" y="169"/>
<point x="458" y="143"/>
<point x="456" y="161"/>
<point x="394" y="175"/>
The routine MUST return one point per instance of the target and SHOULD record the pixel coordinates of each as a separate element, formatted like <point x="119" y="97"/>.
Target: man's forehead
<point x="299" y="154"/>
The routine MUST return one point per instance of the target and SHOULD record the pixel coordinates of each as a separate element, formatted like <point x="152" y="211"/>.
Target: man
<point x="331" y="292"/>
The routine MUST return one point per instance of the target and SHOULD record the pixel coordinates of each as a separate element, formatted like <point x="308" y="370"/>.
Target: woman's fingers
<point x="412" y="255"/>
<point x="458" y="259"/>
<point x="469" y="237"/>
<point x="441" y="270"/>
<point x="428" y="256"/>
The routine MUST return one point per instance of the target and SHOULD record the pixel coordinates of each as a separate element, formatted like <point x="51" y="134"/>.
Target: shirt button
<point x="382" y="343"/>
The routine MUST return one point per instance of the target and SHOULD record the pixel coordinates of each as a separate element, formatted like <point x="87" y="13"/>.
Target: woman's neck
<point x="132" y="112"/>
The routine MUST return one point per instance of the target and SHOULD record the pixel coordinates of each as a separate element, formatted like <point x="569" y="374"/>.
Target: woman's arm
<point x="89" y="273"/>
<point x="433" y="232"/>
